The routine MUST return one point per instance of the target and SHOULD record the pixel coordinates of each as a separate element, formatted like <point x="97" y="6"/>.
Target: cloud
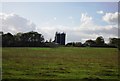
<point x="111" y="18"/>
<point x="88" y="26"/>
<point x="79" y="33"/>
<point x="87" y="29"/>
<point x="100" y="12"/>
<point x="14" y="23"/>
<point x="85" y="20"/>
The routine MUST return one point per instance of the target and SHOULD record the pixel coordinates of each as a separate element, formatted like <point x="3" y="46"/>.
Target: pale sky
<point x="79" y="20"/>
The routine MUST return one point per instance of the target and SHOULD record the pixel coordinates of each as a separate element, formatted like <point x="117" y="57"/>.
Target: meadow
<point x="60" y="63"/>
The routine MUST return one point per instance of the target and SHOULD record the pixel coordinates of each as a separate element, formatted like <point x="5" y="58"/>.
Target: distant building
<point x="60" y="38"/>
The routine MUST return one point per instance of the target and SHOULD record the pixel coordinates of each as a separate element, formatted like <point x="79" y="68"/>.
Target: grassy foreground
<point x="60" y="63"/>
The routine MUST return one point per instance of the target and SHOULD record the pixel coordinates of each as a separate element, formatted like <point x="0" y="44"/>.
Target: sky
<point x="79" y="20"/>
<point x="59" y="0"/>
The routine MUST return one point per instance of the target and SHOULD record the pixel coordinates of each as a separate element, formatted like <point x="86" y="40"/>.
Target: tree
<point x="75" y="44"/>
<point x="50" y="40"/>
<point x="18" y="36"/>
<point x="90" y="42"/>
<point x="18" y="40"/>
<point x="23" y="39"/>
<point x="78" y="44"/>
<point x="100" y="40"/>
<point x="114" y="42"/>
<point x="32" y="39"/>
<point x="7" y="39"/>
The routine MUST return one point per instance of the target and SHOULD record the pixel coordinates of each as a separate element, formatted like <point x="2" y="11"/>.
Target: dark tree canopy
<point x="35" y="39"/>
<point x="90" y="42"/>
<point x="100" y="40"/>
<point x="114" y="42"/>
<point x="75" y="44"/>
<point x="23" y="39"/>
<point x="32" y="37"/>
<point x="7" y="39"/>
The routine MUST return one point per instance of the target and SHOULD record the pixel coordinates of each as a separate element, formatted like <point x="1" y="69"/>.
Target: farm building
<point x="60" y="38"/>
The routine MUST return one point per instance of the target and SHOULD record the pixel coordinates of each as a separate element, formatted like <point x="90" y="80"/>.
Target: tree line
<point x="29" y="39"/>
<point x="35" y="39"/>
<point x="99" y="42"/>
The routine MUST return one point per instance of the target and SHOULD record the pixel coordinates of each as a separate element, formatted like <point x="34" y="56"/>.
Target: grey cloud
<point x="14" y="23"/>
<point x="111" y="18"/>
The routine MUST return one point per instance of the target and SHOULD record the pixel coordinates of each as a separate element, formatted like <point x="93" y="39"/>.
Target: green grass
<point x="60" y="63"/>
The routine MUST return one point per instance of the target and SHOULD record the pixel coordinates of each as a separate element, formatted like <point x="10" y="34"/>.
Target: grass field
<point x="60" y="63"/>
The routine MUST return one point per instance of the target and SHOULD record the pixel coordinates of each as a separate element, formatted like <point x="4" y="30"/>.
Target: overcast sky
<point x="79" y="20"/>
